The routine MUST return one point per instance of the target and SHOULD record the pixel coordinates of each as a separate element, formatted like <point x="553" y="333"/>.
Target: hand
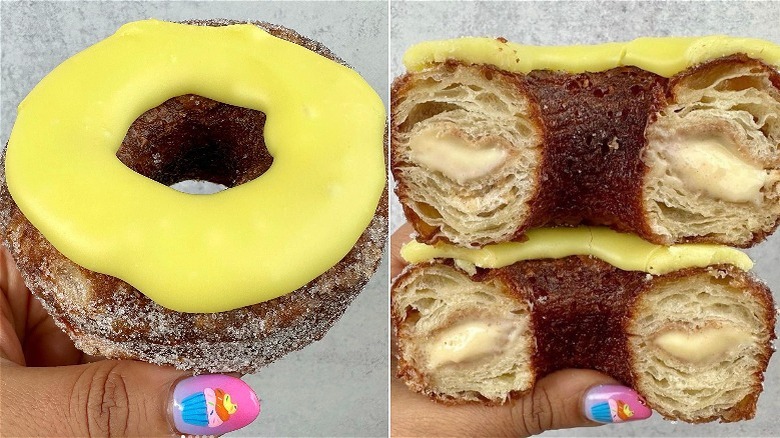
<point x="556" y="402"/>
<point x="50" y="388"/>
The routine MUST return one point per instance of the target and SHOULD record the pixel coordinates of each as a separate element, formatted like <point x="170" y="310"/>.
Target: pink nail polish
<point x="213" y="404"/>
<point x="615" y="404"/>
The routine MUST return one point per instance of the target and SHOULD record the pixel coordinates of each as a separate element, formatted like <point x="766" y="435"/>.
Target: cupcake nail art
<point x="615" y="404"/>
<point x="213" y="404"/>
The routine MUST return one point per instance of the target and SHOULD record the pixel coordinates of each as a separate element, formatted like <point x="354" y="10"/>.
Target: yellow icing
<point x="624" y="251"/>
<point x="665" y="56"/>
<point x="192" y="253"/>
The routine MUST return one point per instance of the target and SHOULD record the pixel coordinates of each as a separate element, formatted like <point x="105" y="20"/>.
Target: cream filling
<point x="454" y="156"/>
<point x="471" y="341"/>
<point x="707" y="165"/>
<point x="703" y="344"/>
<point x="624" y="251"/>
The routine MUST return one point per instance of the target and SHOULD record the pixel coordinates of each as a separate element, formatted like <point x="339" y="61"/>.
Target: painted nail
<point x="615" y="404"/>
<point x="213" y="404"/>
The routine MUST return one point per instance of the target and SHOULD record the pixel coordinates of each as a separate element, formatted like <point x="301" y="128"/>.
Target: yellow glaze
<point x="665" y="56"/>
<point x="196" y="253"/>
<point x="624" y="251"/>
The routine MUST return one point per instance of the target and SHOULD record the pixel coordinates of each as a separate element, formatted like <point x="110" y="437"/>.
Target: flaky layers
<point x="713" y="161"/>
<point x="491" y="336"/>
<point x="439" y="304"/>
<point x="466" y="147"/>
<point x="624" y="148"/>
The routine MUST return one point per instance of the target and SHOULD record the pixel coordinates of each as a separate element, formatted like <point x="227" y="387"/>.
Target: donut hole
<point x="197" y="187"/>
<point x="197" y="145"/>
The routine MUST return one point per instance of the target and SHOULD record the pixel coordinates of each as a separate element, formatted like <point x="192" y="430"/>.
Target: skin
<point x="59" y="391"/>
<point x="554" y="403"/>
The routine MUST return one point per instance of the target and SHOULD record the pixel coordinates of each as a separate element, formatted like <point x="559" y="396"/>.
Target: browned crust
<point x="121" y="322"/>
<point x="425" y="232"/>
<point x="191" y="137"/>
<point x="591" y="166"/>
<point x="581" y="308"/>
<point x="738" y="58"/>
<point x="593" y="127"/>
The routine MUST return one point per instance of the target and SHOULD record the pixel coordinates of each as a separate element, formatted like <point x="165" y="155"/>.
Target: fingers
<point x="13" y="309"/>
<point x="109" y="398"/>
<point x="28" y="335"/>
<point x="557" y="401"/>
<point x="45" y="344"/>
<point x="121" y="398"/>
<point x="399" y="238"/>
<point x="10" y="347"/>
<point x="196" y="413"/>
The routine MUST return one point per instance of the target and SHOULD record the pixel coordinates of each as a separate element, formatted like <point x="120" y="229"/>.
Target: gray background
<point x="335" y="387"/>
<point x="563" y="23"/>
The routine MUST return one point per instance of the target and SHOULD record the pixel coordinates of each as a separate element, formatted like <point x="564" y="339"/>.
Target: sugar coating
<point x="108" y="317"/>
<point x="118" y="321"/>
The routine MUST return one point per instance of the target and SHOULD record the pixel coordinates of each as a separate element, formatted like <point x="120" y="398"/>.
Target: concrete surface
<point x="335" y="387"/>
<point x="563" y="23"/>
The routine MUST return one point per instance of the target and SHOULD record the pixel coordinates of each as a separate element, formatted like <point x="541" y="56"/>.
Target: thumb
<point x="121" y="398"/>
<point x="575" y="398"/>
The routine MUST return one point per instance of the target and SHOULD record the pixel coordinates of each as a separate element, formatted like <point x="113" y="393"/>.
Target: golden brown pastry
<point x="695" y="342"/>
<point x="481" y="154"/>
<point x="674" y="140"/>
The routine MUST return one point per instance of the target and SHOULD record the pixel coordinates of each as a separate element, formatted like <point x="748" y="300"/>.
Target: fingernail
<point x="615" y="404"/>
<point x="213" y="404"/>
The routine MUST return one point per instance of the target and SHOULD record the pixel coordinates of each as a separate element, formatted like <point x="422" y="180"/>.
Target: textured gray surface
<point x="563" y="23"/>
<point x="335" y="387"/>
